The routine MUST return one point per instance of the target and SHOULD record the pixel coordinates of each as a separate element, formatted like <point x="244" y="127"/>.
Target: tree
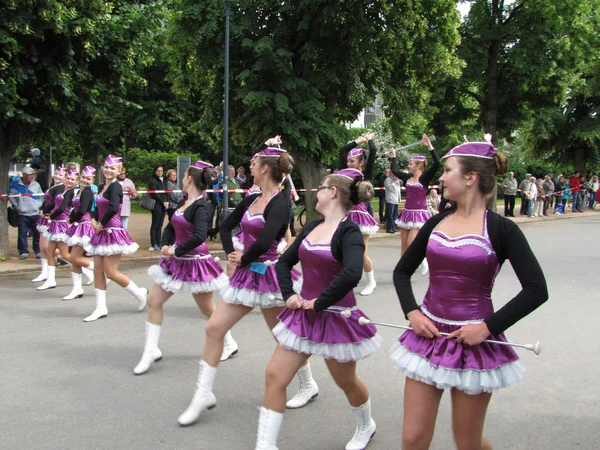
<point x="302" y="68"/>
<point x="60" y="62"/>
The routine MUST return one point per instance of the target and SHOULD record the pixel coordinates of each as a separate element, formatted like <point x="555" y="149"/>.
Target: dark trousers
<point x="158" y="217"/>
<point x="524" y="205"/>
<point x="392" y="213"/>
<point x="370" y="209"/>
<point x="382" y="206"/>
<point x="292" y="220"/>
<point x="509" y="206"/>
<point x="28" y="224"/>
<point x="546" y="204"/>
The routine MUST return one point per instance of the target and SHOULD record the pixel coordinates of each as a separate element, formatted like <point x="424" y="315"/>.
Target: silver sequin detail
<point x="459" y="323"/>
<point x="461" y="242"/>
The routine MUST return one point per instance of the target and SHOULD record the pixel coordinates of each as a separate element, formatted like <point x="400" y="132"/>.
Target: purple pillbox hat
<point x="72" y="173"/>
<point x="418" y="158"/>
<point x="202" y="165"/>
<point x="270" y="151"/>
<point x="111" y="160"/>
<point x="473" y="149"/>
<point x="355" y="152"/>
<point x="88" y="171"/>
<point x="350" y="173"/>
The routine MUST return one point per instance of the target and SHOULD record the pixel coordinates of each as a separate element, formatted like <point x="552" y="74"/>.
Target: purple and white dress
<point x="463" y="271"/>
<point x="195" y="272"/>
<point x="415" y="212"/>
<point x="42" y="223"/>
<point x="361" y="217"/>
<point x="58" y="227"/>
<point x="113" y="239"/>
<point x="324" y="333"/>
<point x="80" y="233"/>
<point x="250" y="288"/>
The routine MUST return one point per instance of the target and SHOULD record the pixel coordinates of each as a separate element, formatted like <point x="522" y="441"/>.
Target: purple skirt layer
<point x="327" y="333"/>
<point x="257" y="290"/>
<point x="57" y="231"/>
<point x="412" y="218"/>
<point x="80" y="234"/>
<point x="364" y="220"/>
<point x="42" y="224"/>
<point x="445" y="363"/>
<point x="188" y="275"/>
<point x="111" y="241"/>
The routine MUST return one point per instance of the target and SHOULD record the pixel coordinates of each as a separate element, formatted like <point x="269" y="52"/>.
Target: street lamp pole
<point x="225" y="194"/>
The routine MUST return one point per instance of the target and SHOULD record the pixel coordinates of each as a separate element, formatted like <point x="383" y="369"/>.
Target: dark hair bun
<point x="501" y="161"/>
<point x="286" y="163"/>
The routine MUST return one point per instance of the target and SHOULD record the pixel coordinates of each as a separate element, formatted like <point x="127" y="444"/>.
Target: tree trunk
<point x="581" y="156"/>
<point x="312" y="173"/>
<point x="5" y="157"/>
<point x="491" y="106"/>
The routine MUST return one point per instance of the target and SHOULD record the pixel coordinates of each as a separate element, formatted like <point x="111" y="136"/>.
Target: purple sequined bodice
<point x="416" y="196"/>
<point x="184" y="231"/>
<point x="321" y="268"/>
<point x="76" y="205"/>
<point x="102" y="206"/>
<point x="462" y="273"/>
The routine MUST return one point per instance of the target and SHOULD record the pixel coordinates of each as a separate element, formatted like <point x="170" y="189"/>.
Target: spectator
<point x="565" y="195"/>
<point x="38" y="164"/>
<point x="548" y="187"/>
<point x="576" y="191"/>
<point x="558" y="191"/>
<point x="129" y="192"/>
<point x="531" y="194"/>
<point x="233" y="183"/>
<point x="510" y="191"/>
<point x="523" y="189"/>
<point x="593" y="187"/>
<point x="157" y="183"/>
<point x="538" y="204"/>
<point x="174" y="198"/>
<point x="392" y="199"/>
<point x="433" y="202"/>
<point x="29" y="211"/>
<point x="242" y="178"/>
<point x="380" y="183"/>
<point x="71" y="167"/>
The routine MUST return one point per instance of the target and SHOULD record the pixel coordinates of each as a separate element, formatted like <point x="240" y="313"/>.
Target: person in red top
<point x="576" y="190"/>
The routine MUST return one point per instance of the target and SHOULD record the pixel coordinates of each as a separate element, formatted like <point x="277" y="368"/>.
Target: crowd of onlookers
<point x="538" y="197"/>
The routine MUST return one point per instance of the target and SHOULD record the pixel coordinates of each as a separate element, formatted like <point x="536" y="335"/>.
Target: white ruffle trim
<point x="253" y="299"/>
<point x="80" y="241"/>
<point x="470" y="381"/>
<point x="409" y="225"/>
<point x="112" y="249"/>
<point x="370" y="230"/>
<point x="340" y="352"/>
<point x="56" y="237"/>
<point x="42" y="228"/>
<point x="166" y="281"/>
<point x="237" y="244"/>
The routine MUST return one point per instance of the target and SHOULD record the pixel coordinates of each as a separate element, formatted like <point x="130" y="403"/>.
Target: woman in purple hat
<point x="111" y="241"/>
<point x="56" y="234"/>
<point x="467" y="248"/>
<point x="353" y="157"/>
<point x="415" y="212"/>
<point x="187" y="266"/>
<point x="80" y="233"/>
<point x="264" y="218"/>
<point x="42" y="223"/>
<point x="331" y="253"/>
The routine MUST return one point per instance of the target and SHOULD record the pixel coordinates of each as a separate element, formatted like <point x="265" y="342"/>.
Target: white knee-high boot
<point x="151" y="351"/>
<point x="101" y="310"/>
<point x="203" y="396"/>
<point x="77" y="291"/>
<point x="88" y="273"/>
<point x="44" y="273"/>
<point x="139" y="293"/>
<point x="50" y="282"/>
<point x="230" y="347"/>
<point x="269" y="424"/>
<point x="308" y="390"/>
<point x="365" y="427"/>
<point x="371" y="284"/>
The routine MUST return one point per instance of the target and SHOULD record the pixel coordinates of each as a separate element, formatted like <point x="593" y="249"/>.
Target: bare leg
<point x="421" y="404"/>
<point x="156" y="299"/>
<point x="368" y="264"/>
<point x="205" y="302"/>
<point x="280" y="373"/>
<point x="99" y="276"/>
<point x="468" y="417"/>
<point x="111" y="269"/>
<point x="270" y="315"/>
<point x="77" y="259"/>
<point x="221" y="321"/>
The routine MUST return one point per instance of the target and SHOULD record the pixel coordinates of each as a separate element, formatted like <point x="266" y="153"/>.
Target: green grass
<point x="135" y="206"/>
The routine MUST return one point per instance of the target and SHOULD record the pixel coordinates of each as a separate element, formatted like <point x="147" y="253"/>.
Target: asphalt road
<point x="69" y="385"/>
